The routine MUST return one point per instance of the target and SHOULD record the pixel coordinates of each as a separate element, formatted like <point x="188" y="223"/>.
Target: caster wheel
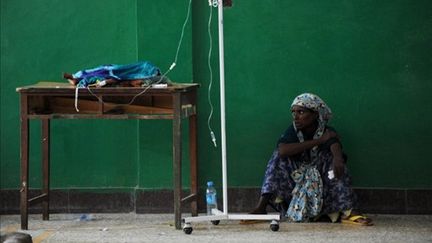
<point x="215" y="222"/>
<point x="187" y="229"/>
<point x="274" y="225"/>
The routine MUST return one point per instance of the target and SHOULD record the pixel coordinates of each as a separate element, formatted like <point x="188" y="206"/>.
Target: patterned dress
<point x="336" y="194"/>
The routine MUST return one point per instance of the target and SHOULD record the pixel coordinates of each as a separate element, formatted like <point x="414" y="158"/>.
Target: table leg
<point x="193" y="163"/>
<point x="177" y="157"/>
<point x="24" y="121"/>
<point x="45" y="167"/>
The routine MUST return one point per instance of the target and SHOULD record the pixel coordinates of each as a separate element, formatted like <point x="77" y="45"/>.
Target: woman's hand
<point x="328" y="134"/>
<point x="290" y="149"/>
<point x="338" y="166"/>
<point x="338" y="160"/>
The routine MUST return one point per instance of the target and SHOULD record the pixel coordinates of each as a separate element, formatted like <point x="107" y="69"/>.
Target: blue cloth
<point x="139" y="70"/>
<point x="306" y="196"/>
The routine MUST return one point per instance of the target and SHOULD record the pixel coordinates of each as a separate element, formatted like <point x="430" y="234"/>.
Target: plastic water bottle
<point x="211" y="197"/>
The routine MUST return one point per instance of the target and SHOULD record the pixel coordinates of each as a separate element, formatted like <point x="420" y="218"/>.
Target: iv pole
<point x="217" y="214"/>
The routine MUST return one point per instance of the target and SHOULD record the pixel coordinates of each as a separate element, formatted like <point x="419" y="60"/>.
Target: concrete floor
<point x="159" y="228"/>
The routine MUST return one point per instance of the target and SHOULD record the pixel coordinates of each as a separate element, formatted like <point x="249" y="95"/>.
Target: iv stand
<point x="218" y="215"/>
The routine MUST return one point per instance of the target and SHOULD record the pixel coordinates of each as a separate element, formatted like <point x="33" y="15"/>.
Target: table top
<point x="64" y="87"/>
<point x="59" y="100"/>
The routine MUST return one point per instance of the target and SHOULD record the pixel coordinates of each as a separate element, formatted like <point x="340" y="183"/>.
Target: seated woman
<point x="307" y="175"/>
<point x="134" y="74"/>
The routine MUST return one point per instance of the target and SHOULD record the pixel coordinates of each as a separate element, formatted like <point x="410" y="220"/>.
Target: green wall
<point x="370" y="61"/>
<point x="39" y="41"/>
<point x="159" y="29"/>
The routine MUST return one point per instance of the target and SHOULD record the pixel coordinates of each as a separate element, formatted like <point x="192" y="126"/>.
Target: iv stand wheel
<point x="215" y="222"/>
<point x="274" y="225"/>
<point x="187" y="228"/>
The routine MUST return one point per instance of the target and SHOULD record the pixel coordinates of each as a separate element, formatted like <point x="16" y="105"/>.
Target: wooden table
<point x="50" y="100"/>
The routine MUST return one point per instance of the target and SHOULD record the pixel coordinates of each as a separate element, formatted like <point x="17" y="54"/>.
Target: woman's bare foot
<point x="258" y="211"/>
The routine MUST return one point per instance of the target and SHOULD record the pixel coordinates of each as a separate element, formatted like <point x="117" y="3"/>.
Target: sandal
<point x="360" y="220"/>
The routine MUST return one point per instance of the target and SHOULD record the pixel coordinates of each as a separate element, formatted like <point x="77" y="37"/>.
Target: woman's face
<point x="303" y="117"/>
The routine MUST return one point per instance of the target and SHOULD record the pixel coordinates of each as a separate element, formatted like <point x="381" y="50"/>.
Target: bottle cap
<point x="210" y="183"/>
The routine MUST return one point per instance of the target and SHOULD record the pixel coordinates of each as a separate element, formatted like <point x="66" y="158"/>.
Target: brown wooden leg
<point x="177" y="156"/>
<point x="45" y="167"/>
<point x="193" y="163"/>
<point x="24" y="162"/>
